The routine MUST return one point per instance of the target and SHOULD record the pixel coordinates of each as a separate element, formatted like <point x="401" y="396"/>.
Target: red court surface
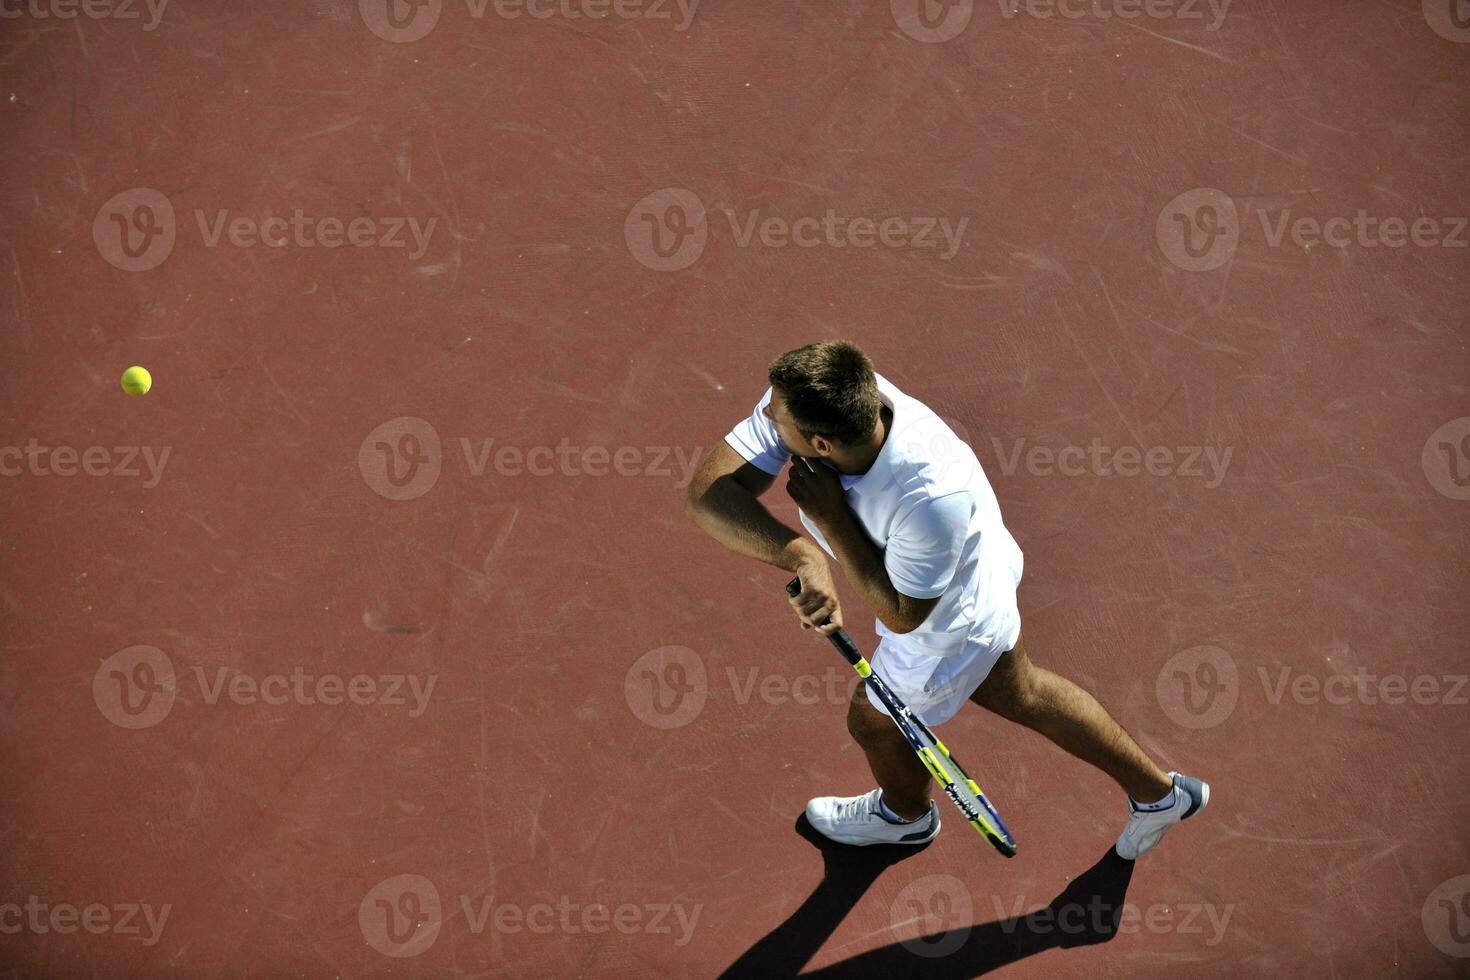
<point x="374" y="641"/>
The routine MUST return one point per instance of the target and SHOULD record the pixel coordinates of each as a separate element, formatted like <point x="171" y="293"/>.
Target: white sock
<point x="1163" y="804"/>
<point x="892" y="817"/>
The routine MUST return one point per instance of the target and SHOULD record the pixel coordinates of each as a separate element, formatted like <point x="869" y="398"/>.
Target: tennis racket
<point x="957" y="784"/>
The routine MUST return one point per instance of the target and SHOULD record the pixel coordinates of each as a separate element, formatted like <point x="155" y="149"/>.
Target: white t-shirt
<point x="927" y="505"/>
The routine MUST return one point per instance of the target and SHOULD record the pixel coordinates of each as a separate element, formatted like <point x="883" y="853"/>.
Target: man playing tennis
<point x="886" y="488"/>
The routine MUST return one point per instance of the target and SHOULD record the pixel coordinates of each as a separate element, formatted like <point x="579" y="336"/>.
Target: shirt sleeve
<point x="924" y="551"/>
<point x="756" y="441"/>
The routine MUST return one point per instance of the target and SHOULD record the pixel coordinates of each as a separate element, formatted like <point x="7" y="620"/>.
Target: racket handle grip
<point x="839" y="639"/>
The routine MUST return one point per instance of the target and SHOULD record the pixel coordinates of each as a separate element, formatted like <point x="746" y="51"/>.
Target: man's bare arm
<point x="723" y="501"/>
<point x="862" y="562"/>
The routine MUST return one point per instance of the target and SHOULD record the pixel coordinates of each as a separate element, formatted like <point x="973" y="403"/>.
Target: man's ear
<point x="822" y="444"/>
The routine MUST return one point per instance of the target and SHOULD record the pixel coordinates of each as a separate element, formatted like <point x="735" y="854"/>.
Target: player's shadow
<point x="1085" y="913"/>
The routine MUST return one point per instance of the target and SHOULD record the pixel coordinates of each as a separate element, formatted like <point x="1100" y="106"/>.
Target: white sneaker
<point x="858" y="820"/>
<point x="1146" y="827"/>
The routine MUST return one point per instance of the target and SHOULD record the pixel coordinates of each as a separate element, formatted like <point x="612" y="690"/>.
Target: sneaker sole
<point x="915" y="839"/>
<point x="911" y="840"/>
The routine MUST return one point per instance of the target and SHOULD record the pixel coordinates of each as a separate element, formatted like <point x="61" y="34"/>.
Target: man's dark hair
<point x="830" y="389"/>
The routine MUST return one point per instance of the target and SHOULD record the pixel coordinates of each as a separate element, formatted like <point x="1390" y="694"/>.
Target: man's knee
<point x="866" y="724"/>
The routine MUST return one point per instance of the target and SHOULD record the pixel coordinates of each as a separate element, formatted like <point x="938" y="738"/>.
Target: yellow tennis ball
<point x="136" y="380"/>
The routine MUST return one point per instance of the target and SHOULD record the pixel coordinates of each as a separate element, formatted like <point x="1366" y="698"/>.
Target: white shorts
<point x="934" y="677"/>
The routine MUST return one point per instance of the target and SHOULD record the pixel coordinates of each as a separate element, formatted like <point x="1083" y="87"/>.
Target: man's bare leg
<point x="1048" y="703"/>
<point x="900" y="774"/>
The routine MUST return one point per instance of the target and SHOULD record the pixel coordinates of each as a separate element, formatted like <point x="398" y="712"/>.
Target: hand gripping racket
<point x="950" y="775"/>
